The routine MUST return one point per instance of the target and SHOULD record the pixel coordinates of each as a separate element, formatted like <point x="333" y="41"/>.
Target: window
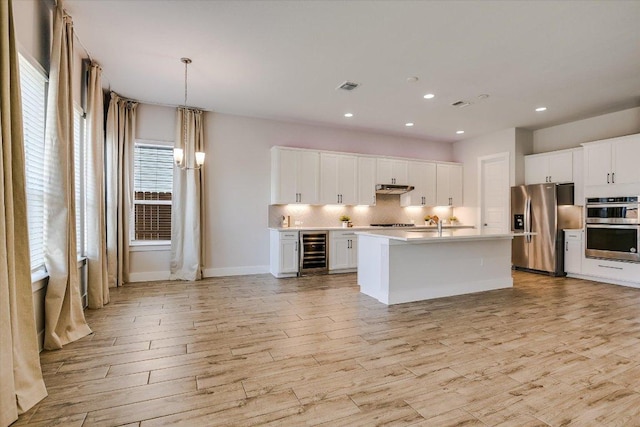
<point x="152" y="186"/>
<point x="33" y="86"/>
<point x="80" y="177"/>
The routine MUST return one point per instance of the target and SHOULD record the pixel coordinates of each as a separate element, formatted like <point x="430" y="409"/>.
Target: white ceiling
<point x="284" y="59"/>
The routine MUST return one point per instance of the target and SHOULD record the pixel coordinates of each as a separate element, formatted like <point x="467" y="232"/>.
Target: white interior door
<point x="494" y="193"/>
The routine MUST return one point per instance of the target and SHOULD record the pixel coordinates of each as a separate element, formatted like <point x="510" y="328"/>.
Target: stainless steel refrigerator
<point x="543" y="210"/>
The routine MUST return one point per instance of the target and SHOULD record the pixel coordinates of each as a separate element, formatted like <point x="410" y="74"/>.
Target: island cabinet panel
<point x="338" y="179"/>
<point x="422" y="175"/>
<point x="399" y="267"/>
<point x="448" y="185"/>
<point x="295" y="176"/>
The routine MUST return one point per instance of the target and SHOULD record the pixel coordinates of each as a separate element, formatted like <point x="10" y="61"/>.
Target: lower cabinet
<point x="624" y="273"/>
<point x="573" y="252"/>
<point x="343" y="250"/>
<point x="284" y="253"/>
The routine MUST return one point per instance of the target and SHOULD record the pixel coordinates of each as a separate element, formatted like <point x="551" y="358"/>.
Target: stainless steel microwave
<point x="612" y="210"/>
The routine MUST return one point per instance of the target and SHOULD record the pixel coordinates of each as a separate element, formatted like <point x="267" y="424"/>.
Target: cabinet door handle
<point x="613" y="177"/>
<point x="608" y="178"/>
<point x="566" y="246"/>
<point x="296" y="250"/>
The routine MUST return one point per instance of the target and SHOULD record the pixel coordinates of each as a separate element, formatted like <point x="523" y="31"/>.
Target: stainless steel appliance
<point x="543" y="210"/>
<point x="393" y="188"/>
<point x="612" y="228"/>
<point x="314" y="250"/>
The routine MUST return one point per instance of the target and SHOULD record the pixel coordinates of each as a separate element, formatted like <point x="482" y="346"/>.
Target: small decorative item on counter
<point x="345" y="220"/>
<point x="453" y="220"/>
<point x="431" y="219"/>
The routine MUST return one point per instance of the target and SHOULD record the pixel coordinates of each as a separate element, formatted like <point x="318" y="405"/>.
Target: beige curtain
<point x="121" y="125"/>
<point x="98" y="284"/>
<point x="21" y="384"/>
<point x="187" y="204"/>
<point x="64" y="317"/>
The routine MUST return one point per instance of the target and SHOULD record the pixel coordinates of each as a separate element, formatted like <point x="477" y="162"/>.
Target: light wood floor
<point x="255" y="350"/>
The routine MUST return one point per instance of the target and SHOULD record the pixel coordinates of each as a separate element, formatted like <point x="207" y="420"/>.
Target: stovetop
<point x="392" y="225"/>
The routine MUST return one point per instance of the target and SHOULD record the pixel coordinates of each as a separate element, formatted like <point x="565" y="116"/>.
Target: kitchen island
<point x="398" y="266"/>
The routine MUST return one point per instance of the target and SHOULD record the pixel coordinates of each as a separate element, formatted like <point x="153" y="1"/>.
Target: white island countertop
<point x="432" y="236"/>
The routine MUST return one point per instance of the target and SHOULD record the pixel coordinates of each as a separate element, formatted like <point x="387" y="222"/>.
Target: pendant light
<point x="179" y="157"/>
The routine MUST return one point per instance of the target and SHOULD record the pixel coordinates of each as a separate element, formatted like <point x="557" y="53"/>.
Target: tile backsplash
<point x="386" y="210"/>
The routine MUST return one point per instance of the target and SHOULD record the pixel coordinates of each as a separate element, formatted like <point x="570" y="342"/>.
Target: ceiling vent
<point x="461" y="104"/>
<point x="348" y="86"/>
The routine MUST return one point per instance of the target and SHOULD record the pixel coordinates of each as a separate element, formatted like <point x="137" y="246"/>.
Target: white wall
<point x="32" y="19"/>
<point x="237" y="179"/>
<point x="570" y="135"/>
<point x="516" y="142"/>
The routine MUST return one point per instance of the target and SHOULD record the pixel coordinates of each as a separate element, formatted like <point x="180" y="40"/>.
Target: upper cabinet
<point x="339" y="179"/>
<point x="422" y="175"/>
<point x="301" y="176"/>
<point x="367" y="181"/>
<point x="561" y="166"/>
<point x="392" y="171"/>
<point x="449" y="185"/>
<point x="613" y="162"/>
<point x="549" y="167"/>
<point x="295" y="176"/>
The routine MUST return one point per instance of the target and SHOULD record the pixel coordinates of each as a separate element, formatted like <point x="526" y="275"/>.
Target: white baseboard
<point x="235" y="271"/>
<point x="149" y="276"/>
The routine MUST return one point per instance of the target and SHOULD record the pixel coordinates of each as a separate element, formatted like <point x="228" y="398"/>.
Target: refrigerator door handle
<point x="527" y="218"/>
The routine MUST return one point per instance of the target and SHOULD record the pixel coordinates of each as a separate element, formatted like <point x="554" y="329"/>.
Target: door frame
<point x="482" y="160"/>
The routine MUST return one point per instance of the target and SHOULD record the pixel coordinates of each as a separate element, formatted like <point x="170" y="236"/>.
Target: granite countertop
<point x="432" y="236"/>
<point x="368" y="227"/>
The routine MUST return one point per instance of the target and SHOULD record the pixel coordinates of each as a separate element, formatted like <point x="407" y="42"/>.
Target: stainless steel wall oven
<point x="612" y="228"/>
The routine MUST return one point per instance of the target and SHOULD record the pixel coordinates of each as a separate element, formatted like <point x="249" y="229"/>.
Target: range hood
<point x="393" y="188"/>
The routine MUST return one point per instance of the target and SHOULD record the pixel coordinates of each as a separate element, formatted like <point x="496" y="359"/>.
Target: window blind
<point x="78" y="159"/>
<point x="153" y="184"/>
<point x="33" y="86"/>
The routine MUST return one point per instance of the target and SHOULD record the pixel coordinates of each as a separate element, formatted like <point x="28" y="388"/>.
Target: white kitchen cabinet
<point x="343" y="250"/>
<point x="549" y="167"/>
<point x="366" y="181"/>
<point x="448" y="184"/>
<point x="612" y="162"/>
<point x="422" y="175"/>
<point x="578" y="176"/>
<point x="295" y="176"/>
<point x="573" y="252"/>
<point x="392" y="171"/>
<point x="284" y="254"/>
<point x="338" y="179"/>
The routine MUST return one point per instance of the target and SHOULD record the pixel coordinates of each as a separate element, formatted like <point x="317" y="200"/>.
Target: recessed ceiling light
<point x="541" y="109"/>
<point x="408" y="124"/>
<point x="429" y="96"/>
<point x="459" y="132"/>
<point x="348" y="114"/>
<point x="412" y="79"/>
